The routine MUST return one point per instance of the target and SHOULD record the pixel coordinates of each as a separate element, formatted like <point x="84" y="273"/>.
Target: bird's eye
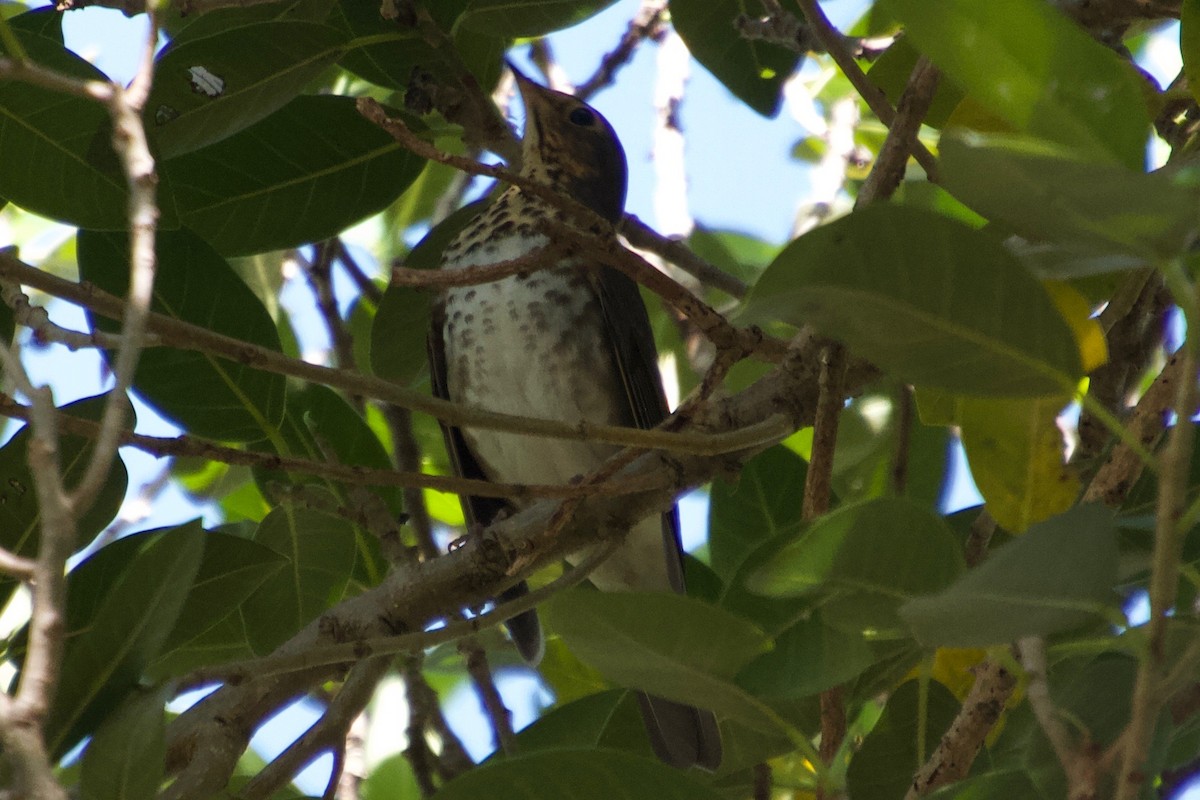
<point x="581" y="116"/>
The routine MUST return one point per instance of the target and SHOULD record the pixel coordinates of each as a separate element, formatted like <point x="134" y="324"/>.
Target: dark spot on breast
<point x="469" y="296"/>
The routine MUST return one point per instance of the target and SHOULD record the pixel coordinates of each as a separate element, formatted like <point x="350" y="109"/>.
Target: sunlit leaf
<point x="1045" y="192"/>
<point x="1017" y="457"/>
<point x="1029" y="64"/>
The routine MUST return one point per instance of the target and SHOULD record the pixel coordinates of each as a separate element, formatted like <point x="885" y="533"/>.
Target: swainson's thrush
<point x="570" y="342"/>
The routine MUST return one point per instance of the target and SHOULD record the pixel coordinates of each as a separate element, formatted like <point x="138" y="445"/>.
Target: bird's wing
<point x="478" y="510"/>
<point x="632" y="342"/>
<point x="525" y="630"/>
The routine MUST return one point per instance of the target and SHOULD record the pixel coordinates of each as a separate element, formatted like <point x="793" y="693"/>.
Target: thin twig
<point x="707" y="320"/>
<point x="761" y="781"/>
<point x="1079" y="768"/>
<point x="646" y="24"/>
<point x="835" y="44"/>
<point x="1164" y="572"/>
<point x="1121" y="470"/>
<point x="185" y="336"/>
<point x="818" y="492"/>
<point x="902" y="415"/>
<point x="498" y="715"/>
<point x="538" y="258"/>
<point x="643" y="237"/>
<point x="187" y="446"/>
<point x="129" y="140"/>
<point x="319" y="272"/>
<point x="365" y="285"/>
<point x="327" y="732"/>
<point x="902" y="139"/>
<point x="46" y="330"/>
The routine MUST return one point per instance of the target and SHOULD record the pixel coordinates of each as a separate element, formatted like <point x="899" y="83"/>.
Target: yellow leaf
<point x="952" y="668"/>
<point x="1093" y="348"/>
<point x="1015" y="450"/>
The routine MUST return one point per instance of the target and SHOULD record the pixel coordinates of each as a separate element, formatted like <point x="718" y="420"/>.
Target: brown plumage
<point x="567" y="343"/>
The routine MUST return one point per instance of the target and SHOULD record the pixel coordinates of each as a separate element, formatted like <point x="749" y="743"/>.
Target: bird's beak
<point x="524" y="83"/>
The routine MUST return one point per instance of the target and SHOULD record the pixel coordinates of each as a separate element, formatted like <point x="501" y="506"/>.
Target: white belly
<point x="535" y="347"/>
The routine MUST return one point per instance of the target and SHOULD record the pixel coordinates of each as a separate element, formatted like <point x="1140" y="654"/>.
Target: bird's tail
<point x="681" y="736"/>
<point x="524" y="628"/>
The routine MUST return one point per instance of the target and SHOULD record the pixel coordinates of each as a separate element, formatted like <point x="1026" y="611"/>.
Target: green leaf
<point x="1045" y="193"/>
<point x="125" y="757"/>
<point x="609" y="719"/>
<point x="1097" y="694"/>
<point x="754" y="70"/>
<point x="63" y="141"/>
<point x="808" y="658"/>
<point x="387" y="63"/>
<point x="1000" y="785"/>
<point x="1057" y="576"/>
<point x="231" y="570"/>
<point x="320" y="423"/>
<point x="883" y="767"/>
<point x="1189" y="43"/>
<point x="45" y="22"/>
<point x="740" y="254"/>
<point x="764" y="501"/>
<point x="575" y="774"/>
<point x="209" y="396"/>
<point x="669" y="645"/>
<point x="867" y="559"/>
<point x="391" y="779"/>
<point x="127" y="613"/>
<point x="20" y="516"/>
<point x="320" y="550"/>
<point x="183" y="27"/>
<point x="528" y="18"/>
<point x="302" y="174"/>
<point x="399" y="333"/>
<point x="210" y="87"/>
<point x="926" y="298"/>
<point x="1025" y="62"/>
<point x="891" y="72"/>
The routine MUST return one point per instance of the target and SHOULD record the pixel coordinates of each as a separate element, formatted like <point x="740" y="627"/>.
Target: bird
<point x="569" y="342"/>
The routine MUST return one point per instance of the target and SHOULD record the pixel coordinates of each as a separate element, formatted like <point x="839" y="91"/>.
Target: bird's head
<point x="570" y="146"/>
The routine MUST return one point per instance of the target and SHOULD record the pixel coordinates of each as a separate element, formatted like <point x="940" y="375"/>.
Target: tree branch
<point x="413" y="595"/>
<point x="186" y="336"/>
